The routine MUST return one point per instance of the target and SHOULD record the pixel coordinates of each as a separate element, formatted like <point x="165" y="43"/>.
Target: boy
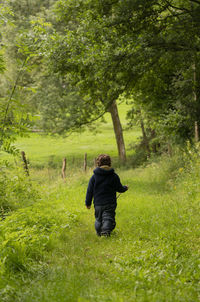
<point x="103" y="186"/>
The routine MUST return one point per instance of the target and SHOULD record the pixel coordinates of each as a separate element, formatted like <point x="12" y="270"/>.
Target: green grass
<point x="49" y="151"/>
<point x="153" y="255"/>
<point x="49" y="250"/>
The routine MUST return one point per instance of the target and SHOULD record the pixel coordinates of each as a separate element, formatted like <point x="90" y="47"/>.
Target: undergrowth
<point x="16" y="190"/>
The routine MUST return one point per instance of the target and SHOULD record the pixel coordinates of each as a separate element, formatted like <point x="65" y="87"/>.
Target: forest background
<point x="65" y="66"/>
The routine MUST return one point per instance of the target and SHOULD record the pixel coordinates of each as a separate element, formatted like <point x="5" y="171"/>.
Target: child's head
<point x="103" y="160"/>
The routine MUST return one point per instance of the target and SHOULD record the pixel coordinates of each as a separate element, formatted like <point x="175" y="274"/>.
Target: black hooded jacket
<point x="103" y="186"/>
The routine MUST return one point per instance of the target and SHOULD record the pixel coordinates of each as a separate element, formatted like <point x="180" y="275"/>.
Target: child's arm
<point x="119" y="187"/>
<point x="90" y="193"/>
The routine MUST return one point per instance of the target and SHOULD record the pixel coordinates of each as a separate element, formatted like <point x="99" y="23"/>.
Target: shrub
<point x="15" y="189"/>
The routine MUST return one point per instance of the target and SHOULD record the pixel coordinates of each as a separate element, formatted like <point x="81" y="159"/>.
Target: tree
<point x="15" y="117"/>
<point x="111" y="47"/>
<point x="85" y="66"/>
<point x="43" y="93"/>
<point x="170" y="88"/>
<point x="4" y="10"/>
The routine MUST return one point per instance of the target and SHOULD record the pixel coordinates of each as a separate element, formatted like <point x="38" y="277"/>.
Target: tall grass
<point x="50" y="251"/>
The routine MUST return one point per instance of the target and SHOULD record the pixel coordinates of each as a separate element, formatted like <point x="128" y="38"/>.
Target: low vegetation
<point x="50" y="252"/>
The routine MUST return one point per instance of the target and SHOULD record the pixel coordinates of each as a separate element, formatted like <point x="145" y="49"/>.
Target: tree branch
<point x="10" y="99"/>
<point x="173" y="46"/>
<point x="178" y="8"/>
<point x="195" y="1"/>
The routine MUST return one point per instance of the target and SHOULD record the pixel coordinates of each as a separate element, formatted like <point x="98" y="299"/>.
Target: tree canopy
<point x="85" y="55"/>
<point x="148" y="50"/>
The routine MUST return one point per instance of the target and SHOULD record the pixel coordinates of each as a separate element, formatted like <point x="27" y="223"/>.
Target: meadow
<point x="49" y="249"/>
<point x="47" y="151"/>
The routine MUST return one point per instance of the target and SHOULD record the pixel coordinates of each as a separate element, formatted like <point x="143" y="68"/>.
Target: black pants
<point x="105" y="218"/>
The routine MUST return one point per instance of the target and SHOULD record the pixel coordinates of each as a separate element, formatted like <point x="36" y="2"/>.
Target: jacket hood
<point x="102" y="171"/>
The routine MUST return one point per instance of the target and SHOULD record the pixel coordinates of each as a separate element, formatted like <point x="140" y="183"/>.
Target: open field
<point x="48" y="151"/>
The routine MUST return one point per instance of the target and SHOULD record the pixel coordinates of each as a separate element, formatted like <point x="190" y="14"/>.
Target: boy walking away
<point x="102" y="188"/>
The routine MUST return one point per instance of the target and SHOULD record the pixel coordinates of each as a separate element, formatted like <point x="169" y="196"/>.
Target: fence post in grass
<point x="85" y="162"/>
<point x="64" y="168"/>
<point x="169" y="149"/>
<point x="25" y="163"/>
<point x="196" y="132"/>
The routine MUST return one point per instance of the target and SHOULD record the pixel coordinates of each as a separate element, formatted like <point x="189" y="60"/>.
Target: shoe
<point x="105" y="234"/>
<point x="99" y="234"/>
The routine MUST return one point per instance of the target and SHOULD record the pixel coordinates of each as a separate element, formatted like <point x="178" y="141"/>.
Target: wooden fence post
<point x="169" y="147"/>
<point x="64" y="168"/>
<point x="85" y="162"/>
<point x="25" y="163"/>
<point x="196" y="129"/>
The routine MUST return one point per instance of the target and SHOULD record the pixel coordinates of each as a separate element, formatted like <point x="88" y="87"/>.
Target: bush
<point x="15" y="190"/>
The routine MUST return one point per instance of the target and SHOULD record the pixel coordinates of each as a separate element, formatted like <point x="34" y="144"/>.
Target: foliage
<point x="15" y="190"/>
<point x="14" y="120"/>
<point x="19" y="82"/>
<point x="27" y="233"/>
<point x="1" y="62"/>
<point x="13" y="117"/>
<point x="62" y="110"/>
<point x="4" y="12"/>
<point x="139" y="51"/>
<point x="85" y="54"/>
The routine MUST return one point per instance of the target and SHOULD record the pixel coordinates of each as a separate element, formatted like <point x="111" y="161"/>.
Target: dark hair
<point x="103" y="160"/>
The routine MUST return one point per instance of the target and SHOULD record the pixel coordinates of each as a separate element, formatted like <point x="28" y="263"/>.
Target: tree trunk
<point x="196" y="132"/>
<point x="145" y="139"/>
<point x="153" y="135"/>
<point x="196" y="127"/>
<point x="25" y="162"/>
<point x="118" y="131"/>
<point x="169" y="146"/>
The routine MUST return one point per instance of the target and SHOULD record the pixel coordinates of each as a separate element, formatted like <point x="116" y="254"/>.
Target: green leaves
<point x="83" y="55"/>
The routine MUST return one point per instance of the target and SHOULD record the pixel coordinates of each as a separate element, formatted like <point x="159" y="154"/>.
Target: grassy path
<point x="49" y="251"/>
<point x="153" y="255"/>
